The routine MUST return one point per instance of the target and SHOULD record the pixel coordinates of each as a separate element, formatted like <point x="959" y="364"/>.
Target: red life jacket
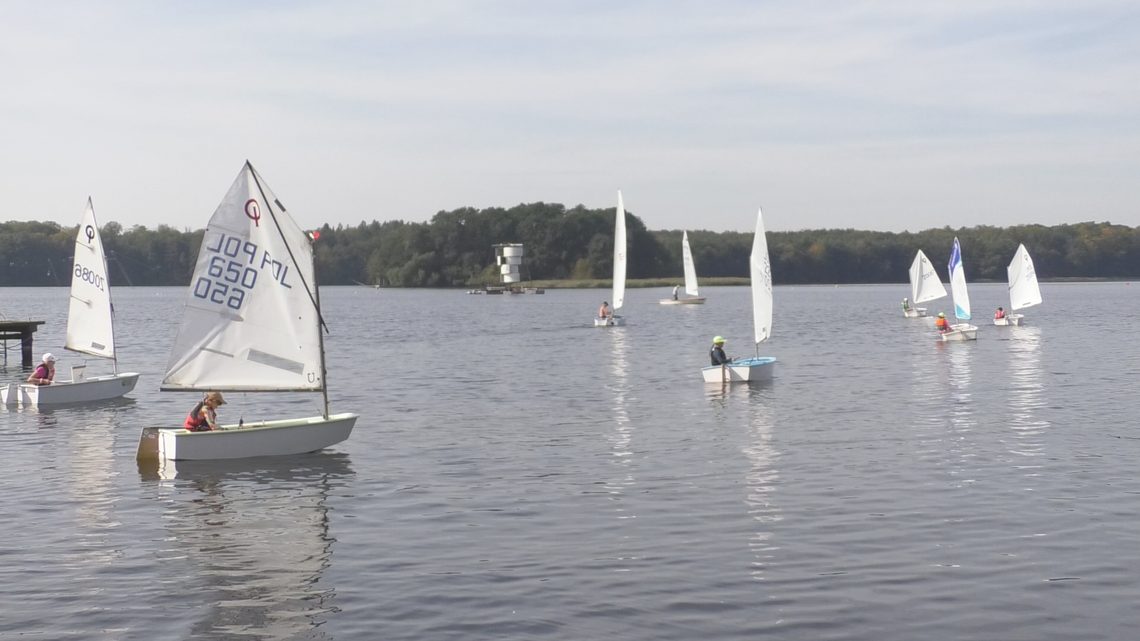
<point x="48" y="373"/>
<point x="195" y="422"/>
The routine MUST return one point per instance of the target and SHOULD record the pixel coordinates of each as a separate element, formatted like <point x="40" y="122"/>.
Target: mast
<point x="320" y="334"/>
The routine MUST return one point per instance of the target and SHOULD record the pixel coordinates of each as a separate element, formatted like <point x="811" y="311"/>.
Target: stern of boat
<point x="615" y="321"/>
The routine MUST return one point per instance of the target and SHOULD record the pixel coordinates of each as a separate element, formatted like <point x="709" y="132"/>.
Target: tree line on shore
<point x="454" y="249"/>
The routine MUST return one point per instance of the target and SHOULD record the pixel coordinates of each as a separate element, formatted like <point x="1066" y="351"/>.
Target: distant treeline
<point x="454" y="250"/>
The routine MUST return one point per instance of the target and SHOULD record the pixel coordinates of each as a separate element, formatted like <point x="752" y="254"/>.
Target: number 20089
<point x="229" y="282"/>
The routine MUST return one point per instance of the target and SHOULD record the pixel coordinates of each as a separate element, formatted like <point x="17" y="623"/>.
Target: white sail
<point x="924" y="282"/>
<point x="619" y="255"/>
<point x="958" y="284"/>
<point x="1023" y="289"/>
<point x="89" y="325"/>
<point x="761" y="273"/>
<point x="250" y="322"/>
<point x="690" y="269"/>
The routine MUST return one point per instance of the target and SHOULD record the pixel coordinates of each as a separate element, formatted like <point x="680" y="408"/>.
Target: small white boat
<point x="1024" y="290"/>
<point x="925" y="285"/>
<point x="251" y="323"/>
<point x="759" y="368"/>
<point x="620" y="259"/>
<point x="90" y="331"/>
<point x="690" y="278"/>
<point x="959" y="331"/>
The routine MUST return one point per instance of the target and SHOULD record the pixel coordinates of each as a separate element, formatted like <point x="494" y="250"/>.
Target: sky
<point x="884" y="115"/>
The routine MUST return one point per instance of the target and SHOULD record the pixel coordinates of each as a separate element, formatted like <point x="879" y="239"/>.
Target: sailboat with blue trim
<point x="960" y="331"/>
<point x="760" y="367"/>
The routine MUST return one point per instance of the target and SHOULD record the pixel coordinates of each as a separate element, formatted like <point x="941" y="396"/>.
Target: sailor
<point x="1000" y="313"/>
<point x="941" y="324"/>
<point x="45" y="371"/>
<point x="675" y="289"/>
<point x="906" y="305"/>
<point x="604" y="311"/>
<point x="203" y="418"/>
<point x="716" y="354"/>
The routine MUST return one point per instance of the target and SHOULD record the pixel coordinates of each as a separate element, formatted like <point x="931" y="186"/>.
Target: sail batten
<point x="761" y="276"/>
<point x="620" y="256"/>
<point x="1024" y="290"/>
<point x="958" y="284"/>
<point x="690" y="268"/>
<point x="90" y="326"/>
<point x="925" y="285"/>
<point x="249" y="322"/>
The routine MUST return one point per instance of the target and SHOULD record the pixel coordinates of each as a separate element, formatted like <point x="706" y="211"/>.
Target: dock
<point x="22" y="331"/>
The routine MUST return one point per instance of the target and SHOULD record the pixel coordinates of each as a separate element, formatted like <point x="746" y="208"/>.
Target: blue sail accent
<point x="961" y="313"/>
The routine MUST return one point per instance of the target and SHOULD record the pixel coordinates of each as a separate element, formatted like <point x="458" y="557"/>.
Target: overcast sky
<point x="872" y="115"/>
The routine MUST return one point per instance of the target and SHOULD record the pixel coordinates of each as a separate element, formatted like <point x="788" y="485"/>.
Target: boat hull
<point x="613" y="321"/>
<point x="749" y="369"/>
<point x="682" y="301"/>
<point x="1010" y="319"/>
<point x="268" y="438"/>
<point x="914" y="312"/>
<point x="960" y="333"/>
<point x="99" y="388"/>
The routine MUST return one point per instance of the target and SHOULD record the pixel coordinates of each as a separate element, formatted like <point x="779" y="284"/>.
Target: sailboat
<point x="925" y="285"/>
<point x="959" y="331"/>
<point x="619" y="270"/>
<point x="90" y="331"/>
<point x="1023" y="289"/>
<point x="251" y="323"/>
<point x="690" y="278"/>
<point x="758" y="368"/>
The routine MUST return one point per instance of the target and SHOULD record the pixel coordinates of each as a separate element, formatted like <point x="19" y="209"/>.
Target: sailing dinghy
<point x="1023" y="288"/>
<point x="619" y="271"/>
<point x="925" y="285"/>
<point x="758" y="368"/>
<point x="959" y="331"/>
<point x="690" y="278"/>
<point x="90" y="331"/>
<point x="251" y="323"/>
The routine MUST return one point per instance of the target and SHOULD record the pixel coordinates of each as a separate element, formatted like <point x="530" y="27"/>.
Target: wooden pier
<point x="22" y="331"/>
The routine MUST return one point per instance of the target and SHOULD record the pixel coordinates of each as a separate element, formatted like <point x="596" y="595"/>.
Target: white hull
<point x="99" y="388"/>
<point x="1010" y="319"/>
<point x="614" y="321"/>
<point x="914" y="312"/>
<point x="961" y="333"/>
<point x="682" y="301"/>
<point x="272" y="438"/>
<point x="749" y="369"/>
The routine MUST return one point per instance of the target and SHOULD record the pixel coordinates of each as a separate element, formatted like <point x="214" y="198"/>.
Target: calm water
<point x="519" y="474"/>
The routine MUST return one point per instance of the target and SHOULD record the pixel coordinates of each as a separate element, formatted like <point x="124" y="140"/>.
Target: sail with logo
<point x="1023" y="288"/>
<point x="90" y="331"/>
<point x="758" y="368"/>
<point x="925" y="286"/>
<point x="251" y="323"/>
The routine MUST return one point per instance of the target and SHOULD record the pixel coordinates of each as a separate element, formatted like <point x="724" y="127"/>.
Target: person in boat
<point x="1000" y="313"/>
<point x="675" y="289"/>
<point x="906" y="305"/>
<point x="942" y="325"/>
<point x="45" y="371"/>
<point x="604" y="311"/>
<point x="204" y="418"/>
<point x="716" y="354"/>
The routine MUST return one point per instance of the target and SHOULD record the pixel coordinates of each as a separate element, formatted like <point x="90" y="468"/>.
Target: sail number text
<point x="87" y="275"/>
<point x="233" y="269"/>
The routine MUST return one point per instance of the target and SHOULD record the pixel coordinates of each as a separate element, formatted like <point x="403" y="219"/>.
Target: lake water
<point x="519" y="474"/>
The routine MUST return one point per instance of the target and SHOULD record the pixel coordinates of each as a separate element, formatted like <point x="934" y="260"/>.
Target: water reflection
<point x="90" y="460"/>
<point x="1026" y="395"/>
<point x="959" y="420"/>
<point x="761" y="476"/>
<point x="621" y="437"/>
<point x="257" y="533"/>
